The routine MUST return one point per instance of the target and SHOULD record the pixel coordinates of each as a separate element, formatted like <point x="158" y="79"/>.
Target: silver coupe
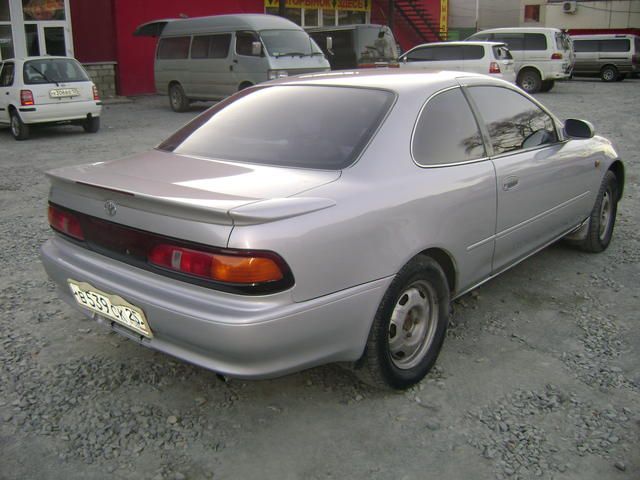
<point x="327" y="218"/>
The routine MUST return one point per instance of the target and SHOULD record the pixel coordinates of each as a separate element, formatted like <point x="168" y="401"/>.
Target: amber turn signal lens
<point x="231" y="269"/>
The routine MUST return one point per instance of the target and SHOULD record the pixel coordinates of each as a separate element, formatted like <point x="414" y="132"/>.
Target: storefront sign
<point x="43" y="9"/>
<point x="444" y="16"/>
<point x="351" y="5"/>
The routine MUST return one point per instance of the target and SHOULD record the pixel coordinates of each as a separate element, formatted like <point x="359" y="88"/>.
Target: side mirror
<point x="256" y="49"/>
<point x="575" y="128"/>
<point x="330" y="45"/>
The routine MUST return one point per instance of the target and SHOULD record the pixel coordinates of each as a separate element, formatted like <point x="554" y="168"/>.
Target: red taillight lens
<point x="238" y="269"/>
<point x="494" y="67"/>
<point x="65" y="222"/>
<point x="556" y="56"/>
<point x="96" y="96"/>
<point x="26" y="97"/>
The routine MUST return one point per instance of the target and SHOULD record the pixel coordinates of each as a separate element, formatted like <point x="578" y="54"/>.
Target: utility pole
<point x="477" y="13"/>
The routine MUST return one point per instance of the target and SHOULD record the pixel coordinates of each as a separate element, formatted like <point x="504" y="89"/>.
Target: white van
<point x="611" y="56"/>
<point x="541" y="55"/>
<point x="209" y="58"/>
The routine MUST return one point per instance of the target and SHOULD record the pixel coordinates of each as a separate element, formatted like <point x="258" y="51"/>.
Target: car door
<point x="210" y="66"/>
<point x="474" y="59"/>
<point x="543" y="185"/>
<point x="586" y="54"/>
<point x="248" y="68"/>
<point x="7" y="74"/>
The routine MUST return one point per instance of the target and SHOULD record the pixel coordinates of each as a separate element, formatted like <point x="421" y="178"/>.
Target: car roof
<point x="42" y="57"/>
<point x="389" y="79"/>
<point x="602" y="36"/>
<point x="461" y="42"/>
<point x="519" y="29"/>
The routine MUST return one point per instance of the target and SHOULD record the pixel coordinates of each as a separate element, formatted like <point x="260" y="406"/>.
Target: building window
<point x="350" y="17"/>
<point x="5" y="14"/>
<point x="6" y="42"/>
<point x="43" y="10"/>
<point x="532" y="13"/>
<point x="314" y="15"/>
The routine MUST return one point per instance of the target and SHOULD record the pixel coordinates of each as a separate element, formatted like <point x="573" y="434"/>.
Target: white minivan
<point x="541" y="55"/>
<point x="209" y="58"/>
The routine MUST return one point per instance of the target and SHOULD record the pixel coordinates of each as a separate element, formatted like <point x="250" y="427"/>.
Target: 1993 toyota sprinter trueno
<point x="326" y="218"/>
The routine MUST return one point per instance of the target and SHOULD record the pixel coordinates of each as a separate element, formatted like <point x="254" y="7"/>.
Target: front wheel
<point x="19" y="129"/>
<point x="409" y="327"/>
<point x="603" y="216"/>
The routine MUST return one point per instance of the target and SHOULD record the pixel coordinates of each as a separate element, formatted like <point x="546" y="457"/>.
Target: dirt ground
<point x="538" y="377"/>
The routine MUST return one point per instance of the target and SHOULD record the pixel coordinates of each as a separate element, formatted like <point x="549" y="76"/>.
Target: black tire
<point x="244" y="85"/>
<point x="609" y="73"/>
<point x="177" y="99"/>
<point x="418" y="298"/>
<point x="621" y="77"/>
<point x="603" y="216"/>
<point x="91" y="124"/>
<point x="19" y="129"/>
<point x="529" y="80"/>
<point x="547" y="85"/>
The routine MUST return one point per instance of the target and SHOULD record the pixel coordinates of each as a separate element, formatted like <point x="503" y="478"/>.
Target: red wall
<point x="93" y="33"/>
<point x="135" y="54"/>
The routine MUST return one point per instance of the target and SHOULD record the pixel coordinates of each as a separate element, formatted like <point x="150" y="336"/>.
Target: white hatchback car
<point x="490" y="58"/>
<point x="47" y="90"/>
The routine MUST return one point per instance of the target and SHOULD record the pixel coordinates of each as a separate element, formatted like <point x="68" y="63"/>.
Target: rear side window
<point x="7" y="74"/>
<point x="585" y="46"/>
<point x="253" y="126"/>
<point x="615" y="45"/>
<point x="173" y="48"/>
<point x="513" y="121"/>
<point x="446" y="131"/>
<point x="47" y="70"/>
<point x="515" y="41"/>
<point x="473" y="52"/>
<point x="535" y="41"/>
<point x="211" y="46"/>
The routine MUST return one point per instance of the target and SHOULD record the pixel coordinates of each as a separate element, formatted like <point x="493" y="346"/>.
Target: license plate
<point x="112" y="307"/>
<point x="64" y="92"/>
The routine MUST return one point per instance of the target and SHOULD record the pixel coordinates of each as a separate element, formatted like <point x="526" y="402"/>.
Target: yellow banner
<point x="353" y="5"/>
<point x="444" y="16"/>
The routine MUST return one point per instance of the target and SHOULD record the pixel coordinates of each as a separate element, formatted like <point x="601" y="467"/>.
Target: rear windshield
<point x="53" y="70"/>
<point x="563" y="41"/>
<point x="286" y="125"/>
<point x="376" y="45"/>
<point x="502" y="53"/>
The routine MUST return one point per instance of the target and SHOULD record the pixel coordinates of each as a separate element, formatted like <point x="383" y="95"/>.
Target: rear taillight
<point x="494" y="67"/>
<point x="239" y="268"/>
<point x="96" y="96"/>
<point x="556" y="56"/>
<point x="26" y="97"/>
<point x="65" y="222"/>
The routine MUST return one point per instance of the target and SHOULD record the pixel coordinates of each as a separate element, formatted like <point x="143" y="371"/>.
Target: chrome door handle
<point x="510" y="183"/>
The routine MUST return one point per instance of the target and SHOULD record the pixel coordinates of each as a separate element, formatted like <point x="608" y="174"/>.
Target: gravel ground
<point x="538" y="377"/>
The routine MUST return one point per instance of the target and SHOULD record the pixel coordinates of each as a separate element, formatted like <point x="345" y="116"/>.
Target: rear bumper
<point x="239" y="336"/>
<point x="59" y="112"/>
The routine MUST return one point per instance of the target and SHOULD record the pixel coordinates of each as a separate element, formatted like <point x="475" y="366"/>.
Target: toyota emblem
<point x="110" y="207"/>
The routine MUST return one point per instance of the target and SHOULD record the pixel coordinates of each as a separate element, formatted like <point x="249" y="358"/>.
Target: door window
<point x="582" y="46"/>
<point x="446" y="131"/>
<point x="420" y="55"/>
<point x="244" y="43"/>
<point x="7" y="74"/>
<point x="515" y="41"/>
<point x="453" y="52"/>
<point x="513" y="121"/>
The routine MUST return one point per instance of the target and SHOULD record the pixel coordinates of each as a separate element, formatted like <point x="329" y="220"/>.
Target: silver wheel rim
<point x="175" y="97"/>
<point x="413" y="325"/>
<point x="528" y="83"/>
<point x="608" y="74"/>
<point x="15" y="126"/>
<point x="606" y="214"/>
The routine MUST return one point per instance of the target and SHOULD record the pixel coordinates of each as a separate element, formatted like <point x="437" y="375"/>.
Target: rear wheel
<point x="621" y="77"/>
<point x="177" y="98"/>
<point x="409" y="327"/>
<point x="603" y="216"/>
<point x="19" y="129"/>
<point x="91" y="124"/>
<point x="547" y="85"/>
<point x="609" y="73"/>
<point x="529" y="80"/>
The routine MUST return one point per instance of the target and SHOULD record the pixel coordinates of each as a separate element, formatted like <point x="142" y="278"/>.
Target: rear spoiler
<point x="152" y="29"/>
